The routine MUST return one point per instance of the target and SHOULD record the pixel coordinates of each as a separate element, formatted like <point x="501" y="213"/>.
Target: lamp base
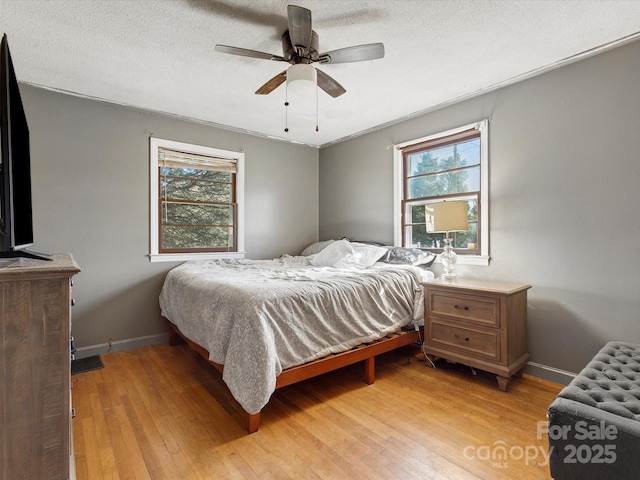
<point x="448" y="259"/>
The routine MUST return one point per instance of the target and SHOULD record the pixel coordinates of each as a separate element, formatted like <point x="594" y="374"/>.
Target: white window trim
<point x="154" y="241"/>
<point x="483" y="127"/>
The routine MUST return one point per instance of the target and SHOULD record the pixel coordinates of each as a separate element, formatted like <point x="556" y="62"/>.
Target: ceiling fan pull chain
<point x="286" y="109"/>
<point x="317" y="109"/>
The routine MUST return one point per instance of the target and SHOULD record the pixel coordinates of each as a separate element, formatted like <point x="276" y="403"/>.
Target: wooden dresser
<point x="478" y="323"/>
<point x="35" y="368"/>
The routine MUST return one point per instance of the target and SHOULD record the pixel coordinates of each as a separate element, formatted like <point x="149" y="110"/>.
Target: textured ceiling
<point x="159" y="55"/>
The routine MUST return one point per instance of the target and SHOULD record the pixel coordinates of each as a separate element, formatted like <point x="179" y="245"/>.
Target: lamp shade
<point x="446" y="217"/>
<point x="301" y="78"/>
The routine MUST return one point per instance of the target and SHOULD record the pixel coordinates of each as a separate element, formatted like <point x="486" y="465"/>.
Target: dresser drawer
<point x="479" y="343"/>
<point x="481" y="310"/>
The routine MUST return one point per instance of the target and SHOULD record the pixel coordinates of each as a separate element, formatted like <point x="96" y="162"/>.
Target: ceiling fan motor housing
<point x="292" y="56"/>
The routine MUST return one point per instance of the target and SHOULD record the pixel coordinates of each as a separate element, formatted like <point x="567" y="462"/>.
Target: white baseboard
<point x="122" y="345"/>
<point x="549" y="373"/>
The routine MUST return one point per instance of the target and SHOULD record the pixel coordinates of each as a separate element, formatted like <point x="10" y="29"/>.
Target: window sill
<point x="482" y="260"/>
<point x="185" y="257"/>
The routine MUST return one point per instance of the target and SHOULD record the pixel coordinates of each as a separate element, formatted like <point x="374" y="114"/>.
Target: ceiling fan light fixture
<point x="301" y="78"/>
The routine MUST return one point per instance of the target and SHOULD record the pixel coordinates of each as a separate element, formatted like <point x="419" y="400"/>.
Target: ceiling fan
<point x="300" y="47"/>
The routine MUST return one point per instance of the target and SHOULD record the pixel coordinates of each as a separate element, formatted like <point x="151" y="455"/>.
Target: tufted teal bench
<point x="594" y="423"/>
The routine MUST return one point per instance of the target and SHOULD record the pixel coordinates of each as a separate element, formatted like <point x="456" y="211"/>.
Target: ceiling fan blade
<point x="272" y="84"/>
<point x="245" y="52"/>
<point x="300" y="28"/>
<point x="357" y="53"/>
<point x="329" y="85"/>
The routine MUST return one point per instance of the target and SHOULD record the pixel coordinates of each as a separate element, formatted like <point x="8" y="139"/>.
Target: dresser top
<point x="62" y="264"/>
<point x="506" y="288"/>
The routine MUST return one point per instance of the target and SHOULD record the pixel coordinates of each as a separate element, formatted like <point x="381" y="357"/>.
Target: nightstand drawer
<point x="478" y="343"/>
<point x="481" y="310"/>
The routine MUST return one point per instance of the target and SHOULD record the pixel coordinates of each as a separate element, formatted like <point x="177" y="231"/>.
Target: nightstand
<point x="478" y="323"/>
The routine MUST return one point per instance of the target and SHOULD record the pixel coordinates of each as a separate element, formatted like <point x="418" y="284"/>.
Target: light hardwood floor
<point x="163" y="413"/>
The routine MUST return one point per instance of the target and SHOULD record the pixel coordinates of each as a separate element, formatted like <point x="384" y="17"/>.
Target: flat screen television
<point x="16" y="220"/>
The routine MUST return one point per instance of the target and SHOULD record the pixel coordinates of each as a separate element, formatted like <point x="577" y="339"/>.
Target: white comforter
<point x="258" y="317"/>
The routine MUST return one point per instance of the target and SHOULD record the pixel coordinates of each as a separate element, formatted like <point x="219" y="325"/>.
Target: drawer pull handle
<point x="461" y="307"/>
<point x="458" y="337"/>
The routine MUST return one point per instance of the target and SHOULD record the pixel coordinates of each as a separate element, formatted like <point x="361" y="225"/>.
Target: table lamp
<point x="445" y="217"/>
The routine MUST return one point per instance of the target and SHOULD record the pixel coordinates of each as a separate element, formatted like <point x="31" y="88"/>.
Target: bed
<point x="265" y="324"/>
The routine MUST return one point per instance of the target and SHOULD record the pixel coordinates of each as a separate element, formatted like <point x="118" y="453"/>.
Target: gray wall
<point x="564" y="199"/>
<point x="90" y="174"/>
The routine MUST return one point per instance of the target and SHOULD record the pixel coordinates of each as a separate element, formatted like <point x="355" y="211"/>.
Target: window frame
<point x="155" y="254"/>
<point x="400" y="202"/>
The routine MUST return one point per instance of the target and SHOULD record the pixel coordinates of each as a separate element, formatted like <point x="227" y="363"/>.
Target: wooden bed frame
<point x="365" y="352"/>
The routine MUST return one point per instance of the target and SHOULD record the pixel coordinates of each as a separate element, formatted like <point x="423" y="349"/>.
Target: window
<point x="196" y="202"/>
<point x="448" y="166"/>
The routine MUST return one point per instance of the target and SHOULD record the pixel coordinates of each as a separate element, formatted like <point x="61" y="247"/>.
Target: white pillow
<point x="368" y="254"/>
<point x="343" y="254"/>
